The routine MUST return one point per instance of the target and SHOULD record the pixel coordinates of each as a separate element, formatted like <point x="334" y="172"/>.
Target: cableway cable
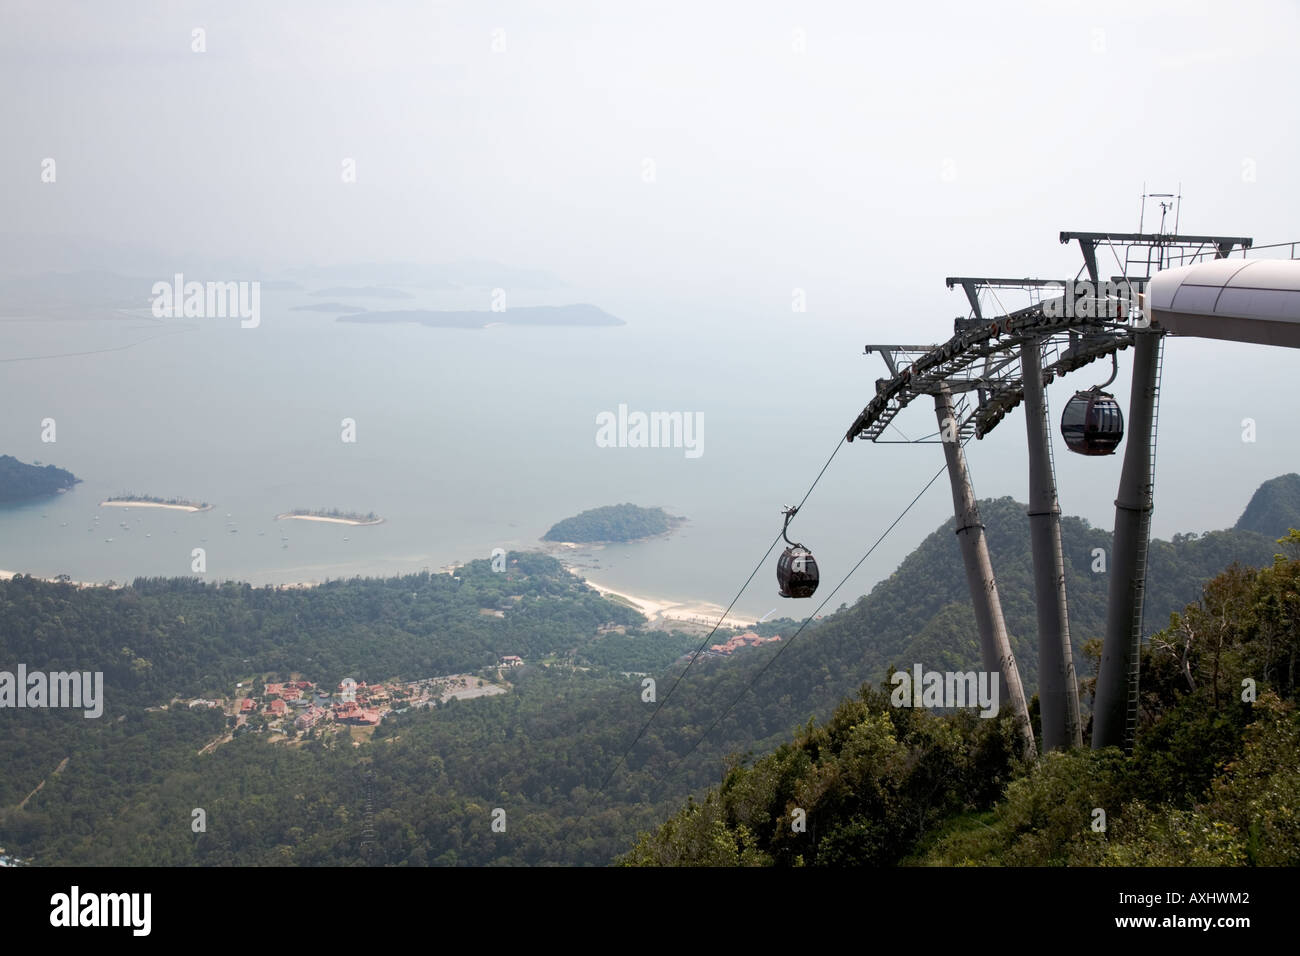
<point x="825" y="601"/>
<point x="696" y="656"/>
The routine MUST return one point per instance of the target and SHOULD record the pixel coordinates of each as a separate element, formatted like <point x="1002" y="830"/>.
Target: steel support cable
<point x="781" y="650"/>
<point x="694" y="657"/>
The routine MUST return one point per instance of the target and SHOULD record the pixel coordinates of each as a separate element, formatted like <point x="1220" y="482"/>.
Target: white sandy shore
<point x="662" y="609"/>
<point x="152" y="504"/>
<point x="351" y="521"/>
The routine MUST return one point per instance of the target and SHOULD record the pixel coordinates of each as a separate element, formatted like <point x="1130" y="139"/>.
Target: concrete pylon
<point x="995" y="648"/>
<point x="1114" y="717"/>
<point x="1058" y="688"/>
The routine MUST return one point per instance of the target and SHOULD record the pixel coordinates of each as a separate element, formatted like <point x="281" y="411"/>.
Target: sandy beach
<point x="660" y="610"/>
<point x="152" y="504"/>
<point x="352" y="521"/>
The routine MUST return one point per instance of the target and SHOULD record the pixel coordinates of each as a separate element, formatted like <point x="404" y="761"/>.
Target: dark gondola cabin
<point x="796" y="572"/>
<point x="1092" y="423"/>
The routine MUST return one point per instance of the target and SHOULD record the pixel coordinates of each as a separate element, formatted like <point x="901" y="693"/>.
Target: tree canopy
<point x="625" y="522"/>
<point x="20" y="481"/>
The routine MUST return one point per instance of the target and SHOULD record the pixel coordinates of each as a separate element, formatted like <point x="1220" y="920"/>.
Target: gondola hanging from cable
<point x="1092" y="423"/>
<point x="796" y="570"/>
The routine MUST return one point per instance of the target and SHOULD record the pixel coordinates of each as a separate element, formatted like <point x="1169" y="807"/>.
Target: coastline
<point x="131" y="503"/>
<point x="7" y="575"/>
<point x="352" y="521"/>
<point x="659" y="610"/>
<point x="687" y="614"/>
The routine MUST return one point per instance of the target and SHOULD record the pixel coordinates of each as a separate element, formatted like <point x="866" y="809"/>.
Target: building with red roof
<point x="748" y="639"/>
<point x="351" y="712"/>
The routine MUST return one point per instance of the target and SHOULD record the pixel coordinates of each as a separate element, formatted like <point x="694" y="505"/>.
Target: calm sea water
<point x="468" y="441"/>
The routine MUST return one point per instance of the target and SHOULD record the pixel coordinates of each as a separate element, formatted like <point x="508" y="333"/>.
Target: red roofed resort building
<point x="310" y="718"/>
<point x="351" y="712"/>
<point x="748" y="639"/>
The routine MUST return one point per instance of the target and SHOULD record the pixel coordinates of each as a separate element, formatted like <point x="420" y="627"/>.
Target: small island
<point x="152" y="501"/>
<point x="367" y="291"/>
<point x="20" y="481"/>
<point x="328" y="307"/>
<point x="580" y="314"/>
<point x="332" y="515"/>
<point x="613" y="524"/>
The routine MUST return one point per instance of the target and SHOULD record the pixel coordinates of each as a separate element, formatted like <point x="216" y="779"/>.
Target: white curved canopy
<point x="1242" y="300"/>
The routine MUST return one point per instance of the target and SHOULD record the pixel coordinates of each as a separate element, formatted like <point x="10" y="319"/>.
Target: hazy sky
<point x="860" y="152"/>
<point x="899" y="146"/>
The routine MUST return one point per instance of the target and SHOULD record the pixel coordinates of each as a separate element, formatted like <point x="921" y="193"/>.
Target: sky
<point x="677" y="151"/>
<point x="844" y="148"/>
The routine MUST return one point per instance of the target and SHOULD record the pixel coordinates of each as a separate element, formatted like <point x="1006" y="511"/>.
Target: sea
<point x="469" y="440"/>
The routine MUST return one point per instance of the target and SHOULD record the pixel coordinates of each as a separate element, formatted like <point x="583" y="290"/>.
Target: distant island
<point x="327" y="307"/>
<point x="369" y="291"/>
<point x="152" y="501"/>
<point x="532" y="315"/>
<point x="613" y="524"/>
<point x="333" y="515"/>
<point x="20" y="481"/>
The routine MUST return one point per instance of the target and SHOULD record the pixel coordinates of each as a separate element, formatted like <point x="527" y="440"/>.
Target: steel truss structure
<point x="994" y="361"/>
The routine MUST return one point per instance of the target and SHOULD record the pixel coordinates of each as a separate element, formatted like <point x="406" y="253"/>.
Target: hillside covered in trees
<point x="20" y="481"/>
<point x="625" y="522"/>
<point x="1275" y="502"/>
<point x="1214" y="779"/>
<point x="543" y="751"/>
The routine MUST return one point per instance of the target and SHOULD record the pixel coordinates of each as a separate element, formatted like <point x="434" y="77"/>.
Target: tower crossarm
<point x="1147" y="252"/>
<point x="1076" y="320"/>
<point x="983" y="357"/>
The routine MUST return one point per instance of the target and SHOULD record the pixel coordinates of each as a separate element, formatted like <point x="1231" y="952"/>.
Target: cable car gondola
<point x="1092" y="423"/>
<point x="796" y="570"/>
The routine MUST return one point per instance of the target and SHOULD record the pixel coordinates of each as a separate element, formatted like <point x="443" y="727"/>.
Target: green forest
<point x="1214" y="779"/>
<point x="876" y="784"/>
<point x="1277" y="498"/>
<point x="20" y="481"/>
<point x="625" y="522"/>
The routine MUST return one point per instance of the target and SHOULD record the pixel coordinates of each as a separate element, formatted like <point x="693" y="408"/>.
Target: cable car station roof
<point x="1254" y="300"/>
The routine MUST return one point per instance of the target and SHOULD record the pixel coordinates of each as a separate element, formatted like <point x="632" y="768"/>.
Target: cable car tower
<point x="998" y="358"/>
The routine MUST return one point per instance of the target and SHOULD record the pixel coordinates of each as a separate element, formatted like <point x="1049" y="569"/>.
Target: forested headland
<point x="20" y="481"/>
